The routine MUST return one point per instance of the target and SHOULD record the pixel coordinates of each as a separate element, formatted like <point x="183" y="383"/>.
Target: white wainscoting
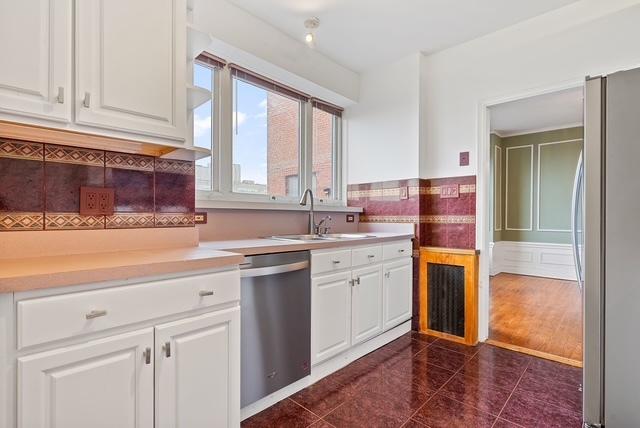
<point x="533" y="258"/>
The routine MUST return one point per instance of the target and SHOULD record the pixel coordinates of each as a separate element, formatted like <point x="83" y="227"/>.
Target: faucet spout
<point x="308" y="194"/>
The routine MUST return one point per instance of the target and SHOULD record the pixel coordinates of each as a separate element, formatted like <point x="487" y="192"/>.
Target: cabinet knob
<point x="371" y="256"/>
<point x="60" y="97"/>
<point x="401" y="251"/>
<point x="147" y="356"/>
<point x="166" y="348"/>
<point x="204" y="293"/>
<point x="335" y="262"/>
<point x="387" y="274"/>
<point x="95" y="314"/>
<point x="357" y="280"/>
<point x="87" y="100"/>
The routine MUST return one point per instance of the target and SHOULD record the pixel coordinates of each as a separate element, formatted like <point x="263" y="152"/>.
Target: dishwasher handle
<point x="273" y="270"/>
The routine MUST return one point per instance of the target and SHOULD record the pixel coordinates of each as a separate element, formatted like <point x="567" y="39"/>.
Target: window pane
<point x="266" y="141"/>
<point x="202" y="127"/>
<point x="323" y="154"/>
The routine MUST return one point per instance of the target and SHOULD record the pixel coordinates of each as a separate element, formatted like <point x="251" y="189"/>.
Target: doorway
<point x="535" y="305"/>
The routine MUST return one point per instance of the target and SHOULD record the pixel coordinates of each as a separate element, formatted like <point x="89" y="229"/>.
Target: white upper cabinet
<point x="130" y="66"/>
<point x="102" y="384"/>
<point x="35" y="47"/>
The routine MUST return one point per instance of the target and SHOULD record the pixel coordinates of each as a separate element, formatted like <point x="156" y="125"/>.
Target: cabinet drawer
<point x="51" y="318"/>
<point x="396" y="250"/>
<point x="330" y="261"/>
<point x="362" y="256"/>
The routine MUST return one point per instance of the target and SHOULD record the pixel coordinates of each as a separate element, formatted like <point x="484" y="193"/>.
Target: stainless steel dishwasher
<point x="276" y="323"/>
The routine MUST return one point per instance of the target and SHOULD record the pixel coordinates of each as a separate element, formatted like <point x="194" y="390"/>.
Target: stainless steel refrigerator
<point x="607" y="245"/>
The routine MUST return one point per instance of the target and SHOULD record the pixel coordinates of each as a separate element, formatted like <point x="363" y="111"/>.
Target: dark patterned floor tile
<point x="405" y="344"/>
<point x="411" y="423"/>
<point x="525" y="410"/>
<point x="323" y="396"/>
<point x="498" y="369"/>
<point x="457" y="347"/>
<point x="499" y="357"/>
<point x="421" y="337"/>
<point x="501" y="423"/>
<point x="479" y="393"/>
<point x="557" y="372"/>
<point x="286" y="413"/>
<point x="442" y="357"/>
<point x="356" y="374"/>
<point x="427" y="376"/>
<point x="321" y="424"/>
<point x="444" y="412"/>
<point x="552" y="392"/>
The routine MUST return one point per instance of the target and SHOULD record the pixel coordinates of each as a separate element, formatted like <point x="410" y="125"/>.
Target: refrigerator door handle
<point x="575" y="207"/>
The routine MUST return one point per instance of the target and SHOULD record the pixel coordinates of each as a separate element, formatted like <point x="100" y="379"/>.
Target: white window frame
<point x="222" y="195"/>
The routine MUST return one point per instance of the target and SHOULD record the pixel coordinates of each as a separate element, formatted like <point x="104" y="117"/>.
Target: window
<point x="266" y="139"/>
<point x="204" y="76"/>
<point x="326" y="134"/>
<point x="274" y="141"/>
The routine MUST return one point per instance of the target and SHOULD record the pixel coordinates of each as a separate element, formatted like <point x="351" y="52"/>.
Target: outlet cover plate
<point x="97" y="200"/>
<point x="464" y="158"/>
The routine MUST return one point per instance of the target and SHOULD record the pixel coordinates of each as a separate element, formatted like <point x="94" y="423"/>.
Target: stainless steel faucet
<point x="303" y="202"/>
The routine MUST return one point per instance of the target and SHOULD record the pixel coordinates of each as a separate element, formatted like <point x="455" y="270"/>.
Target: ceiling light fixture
<point x="311" y="24"/>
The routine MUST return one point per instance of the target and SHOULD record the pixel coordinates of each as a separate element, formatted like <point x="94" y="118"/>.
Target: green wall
<point x="532" y="185"/>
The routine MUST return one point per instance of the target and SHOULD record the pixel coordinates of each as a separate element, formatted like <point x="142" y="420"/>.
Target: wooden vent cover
<point x="449" y="294"/>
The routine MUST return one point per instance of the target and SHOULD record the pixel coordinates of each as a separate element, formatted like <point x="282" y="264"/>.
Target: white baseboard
<point x="325" y="368"/>
<point x="533" y="258"/>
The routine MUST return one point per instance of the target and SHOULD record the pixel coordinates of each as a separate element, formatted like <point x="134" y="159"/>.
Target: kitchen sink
<point x="327" y="237"/>
<point x="302" y="238"/>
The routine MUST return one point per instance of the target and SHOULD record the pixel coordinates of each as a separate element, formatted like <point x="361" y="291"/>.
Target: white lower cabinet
<point x="330" y="315"/>
<point x="358" y="302"/>
<point x="103" y="383"/>
<point x="197" y="361"/>
<point x="178" y="367"/>
<point x="398" y="288"/>
<point x="366" y="303"/>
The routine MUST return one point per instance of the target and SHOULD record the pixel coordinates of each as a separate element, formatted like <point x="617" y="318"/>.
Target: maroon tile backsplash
<point x="439" y="222"/>
<point x="40" y="188"/>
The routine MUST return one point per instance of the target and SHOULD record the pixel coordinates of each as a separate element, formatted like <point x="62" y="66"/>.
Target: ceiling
<point x="362" y="34"/>
<point x="549" y="111"/>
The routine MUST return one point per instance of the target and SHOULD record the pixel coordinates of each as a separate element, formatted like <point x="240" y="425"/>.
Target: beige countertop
<point x="57" y="271"/>
<point x="256" y="246"/>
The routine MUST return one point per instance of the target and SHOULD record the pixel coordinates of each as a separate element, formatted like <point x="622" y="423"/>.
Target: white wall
<point x="383" y="128"/>
<point x="589" y="37"/>
<point x="246" y="40"/>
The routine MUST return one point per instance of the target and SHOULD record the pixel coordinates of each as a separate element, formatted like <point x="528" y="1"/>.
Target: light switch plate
<point x="464" y="158"/>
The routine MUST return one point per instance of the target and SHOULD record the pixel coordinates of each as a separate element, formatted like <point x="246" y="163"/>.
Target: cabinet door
<point x="398" y="288"/>
<point x="35" y="45"/>
<point x="104" y="383"/>
<point x="367" y="303"/>
<point x="330" y="315"/>
<point x="198" y="371"/>
<point x="131" y="61"/>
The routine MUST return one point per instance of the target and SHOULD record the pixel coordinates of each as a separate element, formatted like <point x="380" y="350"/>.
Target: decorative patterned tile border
<point x="72" y="221"/>
<point x="175" y="220"/>
<point x="175" y="166"/>
<point x="130" y="220"/>
<point x="448" y="219"/>
<point x="21" y="221"/>
<point x="75" y="155"/>
<point x="128" y="161"/>
<point x="413" y="191"/>
<point x="21" y="150"/>
<point x="389" y="219"/>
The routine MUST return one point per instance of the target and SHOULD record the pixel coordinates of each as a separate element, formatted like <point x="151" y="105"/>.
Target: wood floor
<point x="540" y="314"/>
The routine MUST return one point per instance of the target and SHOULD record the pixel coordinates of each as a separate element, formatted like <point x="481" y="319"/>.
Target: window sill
<point x="272" y="206"/>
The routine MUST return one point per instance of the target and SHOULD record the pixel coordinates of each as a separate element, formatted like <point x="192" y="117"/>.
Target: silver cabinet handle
<point x="87" y="100"/>
<point x="335" y="262"/>
<point x="371" y="256"/>
<point x="95" y="314"/>
<point x="167" y="349"/>
<point x="60" y="97"/>
<point x="204" y="293"/>
<point x="352" y="282"/>
<point x="357" y="280"/>
<point x="387" y="274"/>
<point x="401" y="251"/>
<point x="147" y="356"/>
